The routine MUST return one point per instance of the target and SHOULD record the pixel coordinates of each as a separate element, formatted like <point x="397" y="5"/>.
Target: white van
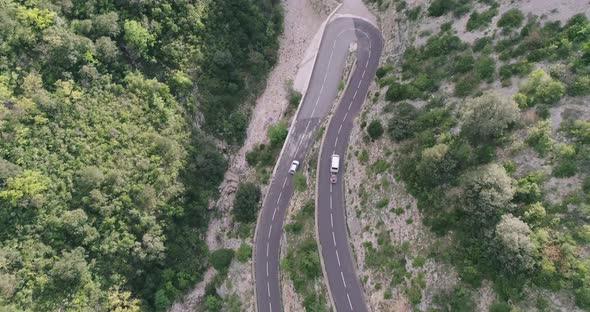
<point x="335" y="163"/>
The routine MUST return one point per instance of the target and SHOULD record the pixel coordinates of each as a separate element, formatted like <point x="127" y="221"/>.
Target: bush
<point x="440" y="7"/>
<point x="463" y="63"/>
<point x="375" y="129"/>
<point x="414" y="13"/>
<point x="511" y="19"/>
<point x="566" y="161"/>
<point x="480" y="20"/>
<point x="383" y="70"/>
<point x="419" y="261"/>
<point x="485" y="68"/>
<point x="500" y="307"/>
<point x="540" y="138"/>
<point x="277" y="134"/>
<point x="299" y="182"/>
<point x="293" y="96"/>
<point x="220" y="259"/>
<point x="481" y="43"/>
<point x="403" y="125"/>
<point x="580" y="86"/>
<point x="244" y="252"/>
<point x="466" y="85"/>
<point x="399" y="92"/>
<point x="246" y="202"/>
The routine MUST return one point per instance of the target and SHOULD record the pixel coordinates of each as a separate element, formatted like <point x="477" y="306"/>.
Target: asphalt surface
<point x="342" y="280"/>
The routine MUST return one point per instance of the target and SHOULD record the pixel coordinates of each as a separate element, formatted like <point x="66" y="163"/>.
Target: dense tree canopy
<point x="488" y="117"/>
<point x="106" y="162"/>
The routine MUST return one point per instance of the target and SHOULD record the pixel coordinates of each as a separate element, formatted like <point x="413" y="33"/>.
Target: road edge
<point x="317" y="177"/>
<point x="322" y="29"/>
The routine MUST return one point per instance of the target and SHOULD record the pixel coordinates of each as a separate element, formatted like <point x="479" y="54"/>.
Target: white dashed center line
<point x="349" y="302"/>
<point x="343" y="281"/>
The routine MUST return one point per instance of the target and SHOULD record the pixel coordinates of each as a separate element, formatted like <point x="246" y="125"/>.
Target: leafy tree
<point x="534" y="213"/>
<point x="139" y="38"/>
<point x="488" y="192"/>
<point x="539" y="88"/>
<point x="375" y="129"/>
<point x="488" y="117"/>
<point x="246" y="202"/>
<point x="515" y="246"/>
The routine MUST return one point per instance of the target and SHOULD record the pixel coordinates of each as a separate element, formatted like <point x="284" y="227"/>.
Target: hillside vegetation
<point x="107" y="110"/>
<point x="460" y="117"/>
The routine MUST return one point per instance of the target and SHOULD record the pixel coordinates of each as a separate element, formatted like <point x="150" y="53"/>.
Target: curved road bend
<point x="339" y="267"/>
<point x="322" y="90"/>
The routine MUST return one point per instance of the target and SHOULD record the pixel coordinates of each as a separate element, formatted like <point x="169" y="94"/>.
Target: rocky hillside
<point x="469" y="167"/>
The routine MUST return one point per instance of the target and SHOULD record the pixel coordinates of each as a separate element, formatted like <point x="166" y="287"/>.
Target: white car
<point x="335" y="164"/>
<point x="293" y="167"/>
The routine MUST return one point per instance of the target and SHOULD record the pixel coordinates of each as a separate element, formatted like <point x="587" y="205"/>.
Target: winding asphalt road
<point x="345" y="290"/>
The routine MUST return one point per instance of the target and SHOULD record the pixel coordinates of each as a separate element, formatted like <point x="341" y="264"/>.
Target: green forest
<point x="109" y="114"/>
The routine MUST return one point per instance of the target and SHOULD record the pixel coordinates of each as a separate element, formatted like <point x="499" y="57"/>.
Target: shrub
<point x="440" y="7"/>
<point x="414" y="13"/>
<point x="383" y="70"/>
<point x="481" y="43"/>
<point x="580" y="86"/>
<point x="246" y="202"/>
<point x="277" y="134"/>
<point x="399" y="92"/>
<point x="252" y="157"/>
<point x="419" y="261"/>
<point x="380" y="166"/>
<point x="293" y="96"/>
<point x="540" y="138"/>
<point x="403" y="125"/>
<point x="511" y="19"/>
<point x="480" y="20"/>
<point x="220" y="259"/>
<point x="463" y="63"/>
<point x="244" y="252"/>
<point x="299" y="182"/>
<point x="375" y="129"/>
<point x="485" y="68"/>
<point x="382" y="203"/>
<point x="583" y="297"/>
<point x="466" y="86"/>
<point x="566" y="161"/>
<point x="500" y="307"/>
